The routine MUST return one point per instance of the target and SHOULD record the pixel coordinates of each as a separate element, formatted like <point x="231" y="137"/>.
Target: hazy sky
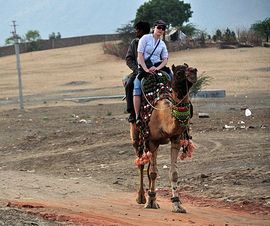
<point x="85" y="17"/>
<point x="211" y="15"/>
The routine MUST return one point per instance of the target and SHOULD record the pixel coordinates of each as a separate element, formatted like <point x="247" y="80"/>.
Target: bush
<point x="118" y="49"/>
<point x="33" y="46"/>
<point x="203" y="81"/>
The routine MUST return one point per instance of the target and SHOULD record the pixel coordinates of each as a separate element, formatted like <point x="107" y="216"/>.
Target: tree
<point x="189" y="29"/>
<point x="58" y="35"/>
<point x="126" y="32"/>
<point x="32" y="36"/>
<point x="52" y="36"/>
<point x="173" y="12"/>
<point x="10" y="40"/>
<point x="218" y="35"/>
<point x="55" y="36"/>
<point x="229" y="36"/>
<point x="262" y="28"/>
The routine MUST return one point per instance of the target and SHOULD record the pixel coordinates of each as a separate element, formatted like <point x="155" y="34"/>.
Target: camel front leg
<point x="151" y="200"/>
<point x="176" y="203"/>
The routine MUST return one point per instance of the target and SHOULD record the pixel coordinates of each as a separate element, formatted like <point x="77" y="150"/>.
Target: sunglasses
<point x="161" y="27"/>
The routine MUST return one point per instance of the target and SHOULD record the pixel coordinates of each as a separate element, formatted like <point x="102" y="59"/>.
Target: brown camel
<point x="166" y="121"/>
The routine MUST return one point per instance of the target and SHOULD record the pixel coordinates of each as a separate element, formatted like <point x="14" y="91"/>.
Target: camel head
<point x="183" y="78"/>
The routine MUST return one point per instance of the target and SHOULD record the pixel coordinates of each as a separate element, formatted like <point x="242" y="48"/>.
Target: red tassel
<point x="190" y="148"/>
<point x="144" y="159"/>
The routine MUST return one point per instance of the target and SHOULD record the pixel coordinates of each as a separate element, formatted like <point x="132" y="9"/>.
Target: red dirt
<point x="121" y="209"/>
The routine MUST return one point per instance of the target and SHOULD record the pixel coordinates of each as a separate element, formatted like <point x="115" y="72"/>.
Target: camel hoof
<point x="141" y="199"/>
<point x="152" y="205"/>
<point x="178" y="209"/>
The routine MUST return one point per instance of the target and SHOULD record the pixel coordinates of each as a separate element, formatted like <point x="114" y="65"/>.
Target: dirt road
<point x="83" y="201"/>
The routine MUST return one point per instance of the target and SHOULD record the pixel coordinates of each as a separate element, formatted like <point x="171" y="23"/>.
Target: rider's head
<point x="142" y="28"/>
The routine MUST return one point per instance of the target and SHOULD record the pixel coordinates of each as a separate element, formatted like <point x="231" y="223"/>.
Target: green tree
<point x="262" y="29"/>
<point x="55" y="36"/>
<point x="229" y="36"/>
<point x="189" y="29"/>
<point x="32" y="36"/>
<point x="126" y="32"/>
<point x="58" y="35"/>
<point x="218" y="35"/>
<point x="52" y="35"/>
<point x="173" y="12"/>
<point x="10" y="40"/>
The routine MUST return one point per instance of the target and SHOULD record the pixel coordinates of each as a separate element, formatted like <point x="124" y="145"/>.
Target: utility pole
<point x="17" y="52"/>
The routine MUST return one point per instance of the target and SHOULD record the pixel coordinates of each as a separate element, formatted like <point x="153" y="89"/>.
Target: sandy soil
<point x="69" y="163"/>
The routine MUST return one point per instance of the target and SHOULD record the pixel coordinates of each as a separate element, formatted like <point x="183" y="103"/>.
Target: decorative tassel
<point x="144" y="159"/>
<point x="190" y="148"/>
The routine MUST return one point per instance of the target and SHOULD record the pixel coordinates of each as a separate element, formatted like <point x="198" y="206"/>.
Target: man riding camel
<point x="141" y="28"/>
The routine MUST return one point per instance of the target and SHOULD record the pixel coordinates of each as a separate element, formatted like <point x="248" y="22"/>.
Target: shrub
<point x="203" y="81"/>
<point x="118" y="49"/>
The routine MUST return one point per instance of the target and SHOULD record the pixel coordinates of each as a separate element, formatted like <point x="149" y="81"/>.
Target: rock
<point x="203" y="115"/>
<point x="229" y="127"/>
<point x="266" y="180"/>
<point x="248" y="112"/>
<point x="204" y="175"/>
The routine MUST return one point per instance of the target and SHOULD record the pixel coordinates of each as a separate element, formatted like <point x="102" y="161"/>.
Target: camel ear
<point x="173" y="67"/>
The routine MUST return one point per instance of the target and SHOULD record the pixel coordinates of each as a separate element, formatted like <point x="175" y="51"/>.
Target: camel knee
<point x="153" y="175"/>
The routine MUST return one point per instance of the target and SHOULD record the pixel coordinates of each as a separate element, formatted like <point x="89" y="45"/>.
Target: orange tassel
<point x="144" y="159"/>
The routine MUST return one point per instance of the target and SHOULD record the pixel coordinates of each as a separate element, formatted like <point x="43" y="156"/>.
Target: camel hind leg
<point x="176" y="203"/>
<point x="134" y="136"/>
<point x="152" y="175"/>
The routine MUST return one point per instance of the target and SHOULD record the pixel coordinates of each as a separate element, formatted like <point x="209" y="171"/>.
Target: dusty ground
<point x="69" y="163"/>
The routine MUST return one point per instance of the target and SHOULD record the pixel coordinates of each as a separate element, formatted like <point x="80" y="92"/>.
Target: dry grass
<point x="238" y="71"/>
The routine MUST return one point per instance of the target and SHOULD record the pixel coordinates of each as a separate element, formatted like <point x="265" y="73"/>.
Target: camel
<point x="166" y="121"/>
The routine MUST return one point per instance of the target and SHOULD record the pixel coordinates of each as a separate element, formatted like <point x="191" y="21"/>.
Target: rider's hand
<point x="152" y="70"/>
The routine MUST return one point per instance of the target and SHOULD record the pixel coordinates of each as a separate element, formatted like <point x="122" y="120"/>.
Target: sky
<point x="86" y="17"/>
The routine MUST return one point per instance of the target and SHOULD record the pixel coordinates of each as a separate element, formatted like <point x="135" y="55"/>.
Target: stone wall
<point x="59" y="43"/>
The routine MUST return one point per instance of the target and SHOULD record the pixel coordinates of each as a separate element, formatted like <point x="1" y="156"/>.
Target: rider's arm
<point x="141" y="62"/>
<point x="164" y="62"/>
<point x="131" y="56"/>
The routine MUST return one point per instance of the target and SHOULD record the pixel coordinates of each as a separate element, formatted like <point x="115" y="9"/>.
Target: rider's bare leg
<point x="137" y="105"/>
